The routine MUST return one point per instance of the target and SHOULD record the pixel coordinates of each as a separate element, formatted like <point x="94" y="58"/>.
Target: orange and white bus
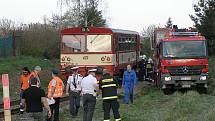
<point x="90" y="47"/>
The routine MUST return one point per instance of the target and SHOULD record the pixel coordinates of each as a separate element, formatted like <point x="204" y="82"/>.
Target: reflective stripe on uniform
<point x="109" y="85"/>
<point x="112" y="97"/>
<point x="118" y="119"/>
<point x="107" y="80"/>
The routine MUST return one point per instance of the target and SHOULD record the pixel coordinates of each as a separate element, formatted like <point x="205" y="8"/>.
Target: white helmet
<point x="144" y="56"/>
<point x="150" y="60"/>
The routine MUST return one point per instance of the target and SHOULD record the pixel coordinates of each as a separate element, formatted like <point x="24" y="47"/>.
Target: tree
<point x="94" y="16"/>
<point x="169" y="23"/>
<point x="6" y="25"/>
<point x="204" y="20"/>
<point x="147" y="34"/>
<point x="77" y="11"/>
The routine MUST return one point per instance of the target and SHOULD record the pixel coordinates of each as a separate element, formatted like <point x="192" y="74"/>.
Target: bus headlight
<point x="167" y="78"/>
<point x="203" y="77"/>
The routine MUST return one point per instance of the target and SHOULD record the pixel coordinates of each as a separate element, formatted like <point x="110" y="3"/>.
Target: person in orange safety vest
<point x="24" y="78"/>
<point x="55" y="91"/>
<point x="35" y="73"/>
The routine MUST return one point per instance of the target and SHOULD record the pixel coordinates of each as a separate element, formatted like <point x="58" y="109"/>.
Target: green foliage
<point x="211" y="75"/>
<point x="146" y="47"/>
<point x="40" y="40"/>
<point x="77" y="12"/>
<point x="94" y="17"/>
<point x="204" y="20"/>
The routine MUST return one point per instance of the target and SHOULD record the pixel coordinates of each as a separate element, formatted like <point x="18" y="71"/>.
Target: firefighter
<point x="74" y="85"/>
<point x="55" y="91"/>
<point x="149" y="69"/>
<point x="128" y="82"/>
<point x="142" y="66"/>
<point x="108" y="86"/>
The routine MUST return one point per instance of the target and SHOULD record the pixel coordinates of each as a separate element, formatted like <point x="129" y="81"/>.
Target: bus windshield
<point x="184" y="49"/>
<point x="98" y="43"/>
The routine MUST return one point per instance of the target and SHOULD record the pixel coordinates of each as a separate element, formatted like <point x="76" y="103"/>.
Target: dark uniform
<point x="149" y="69"/>
<point x="142" y="72"/>
<point x="108" y="85"/>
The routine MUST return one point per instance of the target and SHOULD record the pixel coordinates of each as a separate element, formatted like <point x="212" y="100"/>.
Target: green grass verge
<point x="153" y="105"/>
<point x="13" y="64"/>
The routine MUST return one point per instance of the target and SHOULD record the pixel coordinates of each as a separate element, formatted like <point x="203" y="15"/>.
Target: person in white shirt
<point x="73" y="89"/>
<point x="89" y="87"/>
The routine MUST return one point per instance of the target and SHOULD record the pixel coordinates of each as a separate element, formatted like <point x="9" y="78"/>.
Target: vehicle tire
<point x="201" y="90"/>
<point x="169" y="90"/>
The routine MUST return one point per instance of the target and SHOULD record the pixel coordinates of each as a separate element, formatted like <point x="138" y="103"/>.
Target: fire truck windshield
<point x="88" y="43"/>
<point x="184" y="49"/>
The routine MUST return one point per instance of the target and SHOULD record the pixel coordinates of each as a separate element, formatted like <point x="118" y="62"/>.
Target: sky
<point x="120" y="14"/>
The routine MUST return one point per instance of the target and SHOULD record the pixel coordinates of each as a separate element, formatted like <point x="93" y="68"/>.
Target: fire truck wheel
<point x="168" y="91"/>
<point x="201" y="90"/>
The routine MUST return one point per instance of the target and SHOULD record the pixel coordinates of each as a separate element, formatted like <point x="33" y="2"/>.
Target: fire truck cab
<point x="181" y="60"/>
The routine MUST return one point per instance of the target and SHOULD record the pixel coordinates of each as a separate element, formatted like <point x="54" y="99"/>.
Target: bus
<point x="90" y="47"/>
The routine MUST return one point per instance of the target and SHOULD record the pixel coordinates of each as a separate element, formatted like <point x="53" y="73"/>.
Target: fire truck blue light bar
<point x="184" y="33"/>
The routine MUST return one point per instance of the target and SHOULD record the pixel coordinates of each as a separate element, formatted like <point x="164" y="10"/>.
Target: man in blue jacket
<point x="129" y="82"/>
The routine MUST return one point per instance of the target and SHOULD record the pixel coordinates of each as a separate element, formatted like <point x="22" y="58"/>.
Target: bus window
<point x="73" y="43"/>
<point x="98" y="43"/>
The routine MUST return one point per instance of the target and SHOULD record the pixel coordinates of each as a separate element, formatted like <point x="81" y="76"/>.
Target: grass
<point x="14" y="64"/>
<point x="153" y="105"/>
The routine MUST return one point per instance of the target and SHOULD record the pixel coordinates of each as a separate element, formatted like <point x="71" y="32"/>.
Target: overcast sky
<point x="122" y="14"/>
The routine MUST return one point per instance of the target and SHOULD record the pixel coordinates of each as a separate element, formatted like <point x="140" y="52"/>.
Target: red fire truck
<point x="180" y="57"/>
<point x="90" y="47"/>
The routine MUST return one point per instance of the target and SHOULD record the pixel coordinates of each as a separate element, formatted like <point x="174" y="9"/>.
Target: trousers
<point x="128" y="94"/>
<point x="74" y="102"/>
<point x="55" y="110"/>
<point x="107" y="106"/>
<point x="89" y="103"/>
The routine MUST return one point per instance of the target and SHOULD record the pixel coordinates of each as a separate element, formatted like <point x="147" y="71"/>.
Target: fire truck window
<point x="182" y="49"/>
<point x="99" y="43"/>
<point x="73" y="43"/>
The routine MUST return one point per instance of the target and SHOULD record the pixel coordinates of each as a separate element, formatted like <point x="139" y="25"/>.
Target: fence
<point x="6" y="47"/>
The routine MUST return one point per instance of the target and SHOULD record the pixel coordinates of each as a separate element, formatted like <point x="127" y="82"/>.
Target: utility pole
<point x="79" y="12"/>
<point x="85" y="13"/>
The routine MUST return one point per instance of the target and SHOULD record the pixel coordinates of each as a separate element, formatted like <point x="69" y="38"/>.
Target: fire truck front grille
<point x="185" y="70"/>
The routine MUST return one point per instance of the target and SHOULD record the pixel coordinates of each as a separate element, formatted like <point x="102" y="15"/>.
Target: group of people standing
<point x="34" y="97"/>
<point x="88" y="87"/>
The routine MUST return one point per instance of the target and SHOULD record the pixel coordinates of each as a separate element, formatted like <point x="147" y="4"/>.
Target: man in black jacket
<point x="34" y="98"/>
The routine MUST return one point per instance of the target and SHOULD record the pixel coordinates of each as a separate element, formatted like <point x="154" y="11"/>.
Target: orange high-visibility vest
<point x="58" y="92"/>
<point x="24" y="82"/>
<point x="34" y="75"/>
